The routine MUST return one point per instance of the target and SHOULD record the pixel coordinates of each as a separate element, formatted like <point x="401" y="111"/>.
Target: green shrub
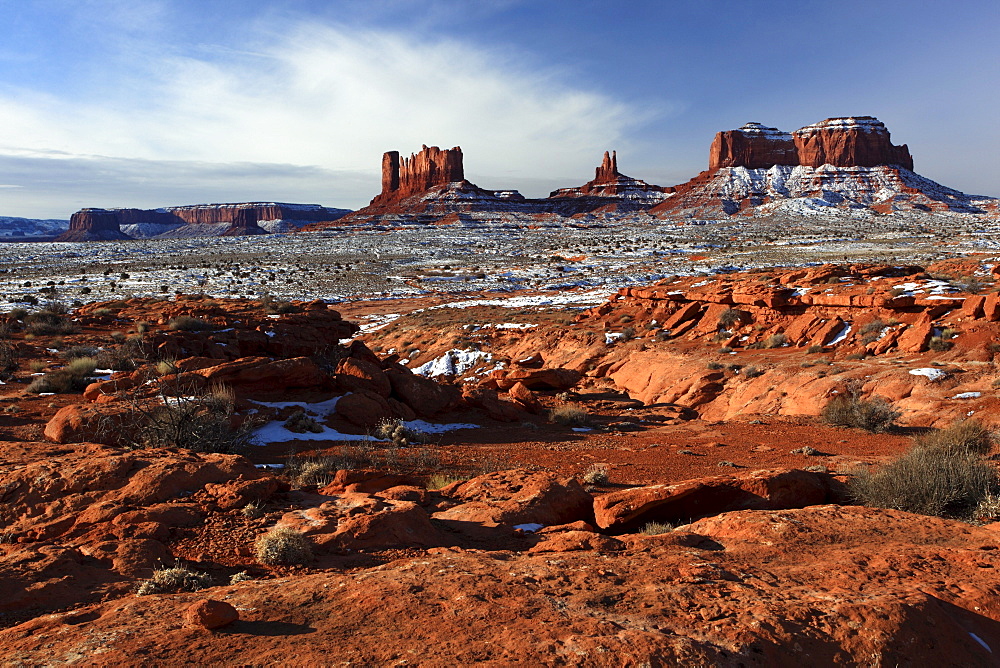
<point x="875" y="415"/>
<point x="283" y="546"/>
<point x="930" y="481"/>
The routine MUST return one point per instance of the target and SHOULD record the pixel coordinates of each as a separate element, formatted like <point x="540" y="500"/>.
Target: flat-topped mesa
<point x="93" y="225"/>
<point x="753" y="146"/>
<point x="418" y="173"/>
<point x="851" y="141"/>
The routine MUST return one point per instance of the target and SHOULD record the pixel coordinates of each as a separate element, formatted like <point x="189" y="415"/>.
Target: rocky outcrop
<point x="418" y="173"/>
<point x="611" y="184"/>
<point x="93" y="225"/>
<point x="754" y="146"/>
<point x="853" y="141"/>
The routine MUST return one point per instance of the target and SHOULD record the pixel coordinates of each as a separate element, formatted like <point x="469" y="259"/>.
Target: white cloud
<point x="330" y="98"/>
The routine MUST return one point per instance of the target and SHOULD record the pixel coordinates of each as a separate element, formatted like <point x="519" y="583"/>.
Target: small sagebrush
<point x="875" y="415"/>
<point x="283" y="546"/>
<point x="965" y="436"/>
<point x="173" y="580"/>
<point x="186" y="323"/>
<point x="929" y="481"/>
<point x="657" y="528"/>
<point x="570" y="415"/>
<point x="596" y="474"/>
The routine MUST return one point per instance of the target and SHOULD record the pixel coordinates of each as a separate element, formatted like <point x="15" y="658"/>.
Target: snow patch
<point x="453" y="363"/>
<point x="929" y="372"/>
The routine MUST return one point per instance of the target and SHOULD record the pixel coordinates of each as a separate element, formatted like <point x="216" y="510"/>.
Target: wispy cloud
<point x="327" y="98"/>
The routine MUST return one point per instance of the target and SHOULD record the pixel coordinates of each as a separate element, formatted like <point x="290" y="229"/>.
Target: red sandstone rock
<point x="570" y="541"/>
<point x="518" y="497"/>
<point x="422" y="171"/>
<point x="753" y="146"/>
<point x="861" y="141"/>
<point x="422" y="394"/>
<point x="355" y="521"/>
<point x="210" y="614"/>
<point x="251" y="375"/>
<point x="758" y="490"/>
<point x="364" y="409"/>
<point x="360" y="374"/>
<point x="93" y="225"/>
<point x="537" y="379"/>
<point x="520" y="394"/>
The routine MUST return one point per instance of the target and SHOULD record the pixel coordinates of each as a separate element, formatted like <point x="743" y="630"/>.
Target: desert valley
<point x="745" y="420"/>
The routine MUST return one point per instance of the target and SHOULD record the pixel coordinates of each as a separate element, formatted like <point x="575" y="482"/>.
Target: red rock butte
<point x="853" y="141"/>
<point x="418" y="173"/>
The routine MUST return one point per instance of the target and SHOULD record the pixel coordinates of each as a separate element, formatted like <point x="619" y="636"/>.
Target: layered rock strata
<point x="201" y="219"/>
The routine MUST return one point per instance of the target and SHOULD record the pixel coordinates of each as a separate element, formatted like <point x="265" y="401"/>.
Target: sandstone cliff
<point x="611" y="184"/>
<point x="93" y="225"/>
<point x="754" y="146"/>
<point x="856" y="141"/>
<point x="195" y="220"/>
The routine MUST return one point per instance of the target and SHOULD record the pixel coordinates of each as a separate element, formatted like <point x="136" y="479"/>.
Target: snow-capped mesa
<point x="839" y="164"/>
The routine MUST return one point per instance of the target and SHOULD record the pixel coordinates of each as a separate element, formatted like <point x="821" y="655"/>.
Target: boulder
<point x="362" y="374"/>
<point x="518" y="497"/>
<point x="775" y="489"/>
<point x="250" y="375"/>
<point x="364" y="409"/>
<point x="210" y="614"/>
<point x="355" y="521"/>
<point x="538" y="379"/>
<point x="423" y="395"/>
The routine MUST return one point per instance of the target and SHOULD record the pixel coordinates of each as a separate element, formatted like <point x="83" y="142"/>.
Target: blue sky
<point x="149" y="103"/>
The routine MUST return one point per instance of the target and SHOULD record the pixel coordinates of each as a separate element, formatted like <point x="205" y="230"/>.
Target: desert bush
<point x="186" y="323"/>
<point x="183" y="417"/>
<point x="173" y="580"/>
<point x="964" y="436"/>
<point x="730" y="317"/>
<point x="874" y="327"/>
<point x="18" y="313"/>
<point x="751" y="371"/>
<point x="775" y="341"/>
<point x="875" y="415"/>
<point x="596" y="474"/>
<point x="814" y="348"/>
<point x="725" y="350"/>
<point x="103" y="312"/>
<point x="939" y="344"/>
<point x="283" y="546"/>
<point x="713" y="366"/>
<point x="81" y="367"/>
<point x="929" y="481"/>
<point x="570" y="415"/>
<point x="394" y="430"/>
<point x="657" y="528"/>
<point x="242" y="576"/>
<point x="253" y="510"/>
<point x="304" y="470"/>
<point x="8" y="360"/>
<point x="439" y="480"/>
<point x="300" y="423"/>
